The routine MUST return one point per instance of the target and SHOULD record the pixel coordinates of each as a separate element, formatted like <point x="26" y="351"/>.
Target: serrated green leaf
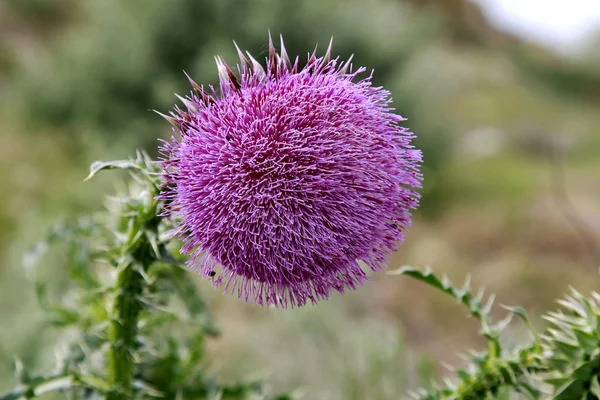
<point x="520" y="312"/>
<point x="571" y="350"/>
<point x="595" y="387"/>
<point x="584" y="372"/>
<point x="586" y="340"/>
<point x="426" y="276"/>
<point x="558" y="364"/>
<point x="98" y="166"/>
<point x="529" y="391"/>
<point x="462" y="374"/>
<point x="462" y="295"/>
<point x="62" y="316"/>
<point x="95" y="382"/>
<point x="558" y="382"/>
<point x="60" y="383"/>
<point x="572" y="390"/>
<point x="147" y="389"/>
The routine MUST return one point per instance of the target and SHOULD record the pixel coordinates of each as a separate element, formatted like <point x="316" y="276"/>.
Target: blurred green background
<point x="510" y="132"/>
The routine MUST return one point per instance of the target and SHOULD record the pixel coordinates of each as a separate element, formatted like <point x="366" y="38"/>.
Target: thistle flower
<point x="287" y="177"/>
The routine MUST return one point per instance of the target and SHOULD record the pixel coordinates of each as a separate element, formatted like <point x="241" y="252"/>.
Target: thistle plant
<point x="561" y="363"/>
<point x="134" y="323"/>
<point x="276" y="186"/>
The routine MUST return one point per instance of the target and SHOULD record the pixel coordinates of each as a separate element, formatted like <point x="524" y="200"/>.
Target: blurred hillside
<point x="510" y="134"/>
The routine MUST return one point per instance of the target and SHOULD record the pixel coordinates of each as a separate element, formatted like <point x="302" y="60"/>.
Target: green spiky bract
<point x="572" y="347"/>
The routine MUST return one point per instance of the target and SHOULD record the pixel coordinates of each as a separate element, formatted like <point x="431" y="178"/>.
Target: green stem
<point x="136" y="256"/>
<point x="122" y="332"/>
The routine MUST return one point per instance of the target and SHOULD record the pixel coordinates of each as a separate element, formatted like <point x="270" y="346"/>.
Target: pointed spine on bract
<point x="170" y="119"/>
<point x="179" y="119"/>
<point x="251" y="71"/>
<point x="278" y="64"/>
<point x="226" y="76"/>
<point x="283" y="56"/>
<point x="259" y="71"/>
<point x="312" y="63"/>
<point x="190" y="105"/>
<point x="245" y="65"/>
<point x="272" y="63"/>
<point x="199" y="91"/>
<point x="326" y="58"/>
<point x="347" y="67"/>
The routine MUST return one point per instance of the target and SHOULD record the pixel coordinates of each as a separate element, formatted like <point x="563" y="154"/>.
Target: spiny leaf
<point x="529" y="391"/>
<point x="98" y="166"/>
<point x="142" y="166"/>
<point x="462" y="295"/>
<point x="488" y="372"/>
<point x="41" y="385"/>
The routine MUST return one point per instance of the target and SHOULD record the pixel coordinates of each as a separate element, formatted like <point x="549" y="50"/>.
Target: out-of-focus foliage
<point x="577" y="80"/>
<point x="121" y="59"/>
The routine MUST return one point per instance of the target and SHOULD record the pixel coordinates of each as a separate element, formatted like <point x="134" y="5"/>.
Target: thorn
<point x="194" y="84"/>
<point x="272" y="64"/>
<point x="327" y="57"/>
<point x="243" y="60"/>
<point x="344" y="69"/>
<point x="190" y="105"/>
<point x="199" y="91"/>
<point x="283" y="53"/>
<point x="223" y="76"/>
<point x="271" y="47"/>
<point x="170" y="120"/>
<point x="258" y="69"/>
<point x="225" y="73"/>
<point x="311" y="65"/>
<point x="312" y="57"/>
<point x="322" y="63"/>
<point x="207" y="98"/>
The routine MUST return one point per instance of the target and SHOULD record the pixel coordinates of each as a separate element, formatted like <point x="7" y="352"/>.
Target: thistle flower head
<point x="285" y="177"/>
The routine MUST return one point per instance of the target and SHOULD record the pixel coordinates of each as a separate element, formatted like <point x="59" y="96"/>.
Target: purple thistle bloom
<point x="288" y="177"/>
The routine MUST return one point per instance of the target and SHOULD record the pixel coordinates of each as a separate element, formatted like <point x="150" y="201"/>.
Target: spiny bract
<point x="288" y="177"/>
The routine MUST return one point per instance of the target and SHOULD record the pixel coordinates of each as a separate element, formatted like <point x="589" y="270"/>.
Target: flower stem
<point x="122" y="332"/>
<point x="125" y="311"/>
